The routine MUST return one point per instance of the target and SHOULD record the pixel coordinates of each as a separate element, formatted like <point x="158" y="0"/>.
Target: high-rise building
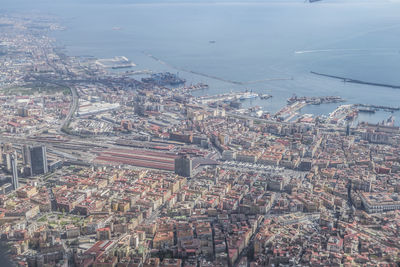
<point x="38" y="158"/>
<point x="4" y="149"/>
<point x="7" y="161"/>
<point x="26" y="155"/>
<point x="1" y="154"/>
<point x="183" y="166"/>
<point x="14" y="171"/>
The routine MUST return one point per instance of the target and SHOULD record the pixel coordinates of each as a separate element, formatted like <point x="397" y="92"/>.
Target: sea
<point x="269" y="46"/>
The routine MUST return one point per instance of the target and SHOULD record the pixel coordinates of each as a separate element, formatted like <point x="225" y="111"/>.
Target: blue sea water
<point x="254" y="40"/>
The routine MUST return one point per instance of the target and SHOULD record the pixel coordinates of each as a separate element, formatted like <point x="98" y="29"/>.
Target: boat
<point x="390" y="121"/>
<point x="212" y="42"/>
<point x="265" y="96"/>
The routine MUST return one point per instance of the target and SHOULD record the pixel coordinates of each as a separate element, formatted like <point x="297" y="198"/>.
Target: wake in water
<point x="338" y="50"/>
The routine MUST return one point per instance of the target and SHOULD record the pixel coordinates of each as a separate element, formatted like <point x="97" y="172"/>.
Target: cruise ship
<point x="248" y="95"/>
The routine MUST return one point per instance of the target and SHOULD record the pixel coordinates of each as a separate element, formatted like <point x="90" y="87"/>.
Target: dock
<point x="343" y="114"/>
<point x="232" y="96"/>
<point x="289" y="112"/>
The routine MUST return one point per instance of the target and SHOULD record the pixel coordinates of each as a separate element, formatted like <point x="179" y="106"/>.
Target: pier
<point x="289" y="112"/>
<point x="232" y="96"/>
<point x="137" y="72"/>
<point x="192" y="88"/>
<point x="315" y="100"/>
<point x="343" y="114"/>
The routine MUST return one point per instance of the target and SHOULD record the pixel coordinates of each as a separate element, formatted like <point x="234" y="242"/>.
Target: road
<point x="72" y="109"/>
<point x="74" y="103"/>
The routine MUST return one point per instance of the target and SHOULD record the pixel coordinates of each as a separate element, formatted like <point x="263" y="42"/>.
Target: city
<point x="102" y="168"/>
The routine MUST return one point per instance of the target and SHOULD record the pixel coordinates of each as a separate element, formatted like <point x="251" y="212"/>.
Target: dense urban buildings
<point x="102" y="169"/>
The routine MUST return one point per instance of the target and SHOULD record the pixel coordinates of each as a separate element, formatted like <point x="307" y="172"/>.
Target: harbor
<point x="289" y="112"/>
<point x="295" y="103"/>
<point x="343" y="114"/>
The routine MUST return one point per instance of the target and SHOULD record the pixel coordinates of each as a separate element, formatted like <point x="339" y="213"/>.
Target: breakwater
<point x="349" y="80"/>
<point x="378" y="107"/>
<point x="215" y="77"/>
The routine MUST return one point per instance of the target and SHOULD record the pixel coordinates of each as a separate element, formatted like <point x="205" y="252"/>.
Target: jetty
<point x="373" y="108"/>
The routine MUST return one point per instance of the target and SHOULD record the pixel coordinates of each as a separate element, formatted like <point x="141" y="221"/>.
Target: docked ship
<point x="248" y="95"/>
<point x="367" y="110"/>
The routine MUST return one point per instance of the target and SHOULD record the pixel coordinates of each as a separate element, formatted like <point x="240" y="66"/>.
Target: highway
<point x="72" y="109"/>
<point x="74" y="103"/>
